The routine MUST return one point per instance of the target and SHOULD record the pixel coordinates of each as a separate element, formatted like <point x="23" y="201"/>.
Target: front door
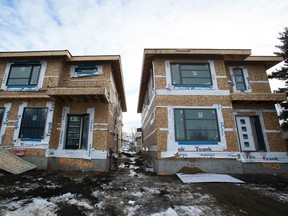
<point x="245" y="133"/>
<point x="77" y="131"/>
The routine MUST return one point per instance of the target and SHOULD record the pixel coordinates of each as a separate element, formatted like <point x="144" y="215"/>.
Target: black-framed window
<point x="2" y="110"/>
<point x="77" y="131"/>
<point x="196" y="125"/>
<point x="86" y="68"/>
<point x="24" y="74"/>
<point x="239" y="79"/>
<point x="191" y="74"/>
<point x="33" y="123"/>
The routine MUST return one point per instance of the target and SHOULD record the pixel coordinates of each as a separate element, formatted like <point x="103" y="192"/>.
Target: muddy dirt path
<point x="130" y="191"/>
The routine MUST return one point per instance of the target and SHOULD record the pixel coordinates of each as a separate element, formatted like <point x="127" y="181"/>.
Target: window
<point x="33" y="123"/>
<point x="24" y="74"/>
<point x="199" y="125"/>
<point x="239" y="79"/>
<point x="85" y="70"/>
<point x="1" y="115"/>
<point x="77" y="131"/>
<point x="191" y="74"/>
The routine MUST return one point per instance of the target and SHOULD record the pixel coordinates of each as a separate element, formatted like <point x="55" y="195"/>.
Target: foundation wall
<point x="170" y="166"/>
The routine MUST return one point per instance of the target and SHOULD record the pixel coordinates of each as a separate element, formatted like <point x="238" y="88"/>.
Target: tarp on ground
<point x="208" y="177"/>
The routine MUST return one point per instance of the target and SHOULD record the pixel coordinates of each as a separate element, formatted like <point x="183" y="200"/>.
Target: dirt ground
<point x="131" y="191"/>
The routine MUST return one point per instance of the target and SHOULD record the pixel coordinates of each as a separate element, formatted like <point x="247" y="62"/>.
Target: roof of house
<point x="228" y="55"/>
<point x="115" y="61"/>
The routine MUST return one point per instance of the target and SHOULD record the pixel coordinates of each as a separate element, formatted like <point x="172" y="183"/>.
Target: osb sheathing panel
<point x="53" y="72"/>
<point x="3" y="65"/>
<point x="160" y="82"/>
<point x="161" y="117"/>
<point x="271" y="121"/>
<point x="260" y="87"/>
<point x="101" y="80"/>
<point x="159" y="67"/>
<point x="151" y="140"/>
<point x="192" y="100"/>
<point x="162" y="140"/>
<point x="100" y="140"/>
<point x="220" y="68"/>
<point x="56" y="123"/>
<point x="222" y="84"/>
<point x="228" y="118"/>
<point x="276" y="142"/>
<point x="257" y="73"/>
<point x="231" y="140"/>
<point x="8" y="137"/>
<point x="249" y="106"/>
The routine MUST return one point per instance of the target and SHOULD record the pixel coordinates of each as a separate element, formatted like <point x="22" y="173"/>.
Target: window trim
<point x="188" y="142"/>
<point x="80" y="133"/>
<point x="74" y="73"/>
<point x="21" y="125"/>
<point x="180" y="75"/>
<point x="32" y="65"/>
<point x="245" y="76"/>
<point x="6" y="87"/>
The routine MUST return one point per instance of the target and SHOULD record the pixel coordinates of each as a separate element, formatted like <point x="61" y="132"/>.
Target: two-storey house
<point x="212" y="109"/>
<point x="60" y="111"/>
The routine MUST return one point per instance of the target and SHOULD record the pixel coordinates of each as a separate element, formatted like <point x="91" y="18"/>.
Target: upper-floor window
<point x="191" y="74"/>
<point x="85" y="70"/>
<point x="24" y="74"/>
<point x="196" y="125"/>
<point x="239" y="79"/>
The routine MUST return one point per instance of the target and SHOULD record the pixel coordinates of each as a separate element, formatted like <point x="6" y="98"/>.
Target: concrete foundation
<point x="40" y="161"/>
<point x="75" y="164"/>
<point x="169" y="167"/>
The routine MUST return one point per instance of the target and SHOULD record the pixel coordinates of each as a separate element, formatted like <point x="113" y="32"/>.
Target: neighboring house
<point x="212" y="109"/>
<point x="61" y="111"/>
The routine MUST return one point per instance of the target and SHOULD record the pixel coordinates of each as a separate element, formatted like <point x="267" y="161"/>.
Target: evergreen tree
<point x="282" y="74"/>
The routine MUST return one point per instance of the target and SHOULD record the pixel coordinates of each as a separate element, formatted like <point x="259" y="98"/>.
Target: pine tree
<point x="282" y="74"/>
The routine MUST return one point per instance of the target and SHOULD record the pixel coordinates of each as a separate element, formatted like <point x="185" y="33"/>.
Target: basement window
<point x="33" y="123"/>
<point x="191" y="74"/>
<point x="196" y="125"/>
<point x="85" y="70"/>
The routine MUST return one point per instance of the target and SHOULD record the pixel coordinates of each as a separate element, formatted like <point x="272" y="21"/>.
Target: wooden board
<point x="14" y="164"/>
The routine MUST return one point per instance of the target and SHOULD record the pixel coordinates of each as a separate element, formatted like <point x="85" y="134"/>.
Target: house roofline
<point x="114" y="59"/>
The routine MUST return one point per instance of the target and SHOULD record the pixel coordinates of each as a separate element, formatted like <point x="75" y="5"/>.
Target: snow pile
<point x="38" y="206"/>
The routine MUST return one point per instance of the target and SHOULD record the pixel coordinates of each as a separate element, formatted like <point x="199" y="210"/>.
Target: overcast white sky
<point x="126" y="27"/>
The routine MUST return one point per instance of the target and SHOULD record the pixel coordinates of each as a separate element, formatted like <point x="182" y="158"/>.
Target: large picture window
<point x="33" y="123"/>
<point x="199" y="125"/>
<point x="191" y="74"/>
<point x="24" y="74"/>
<point x="77" y="131"/>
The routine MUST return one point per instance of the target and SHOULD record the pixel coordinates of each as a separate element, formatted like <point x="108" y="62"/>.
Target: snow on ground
<point x="40" y="206"/>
